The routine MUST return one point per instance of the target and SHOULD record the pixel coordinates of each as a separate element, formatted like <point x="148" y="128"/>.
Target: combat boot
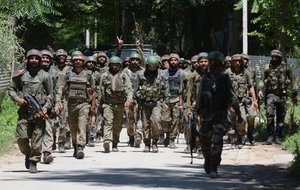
<point x="166" y="142"/>
<point x="161" y="139"/>
<point x="68" y="141"/>
<point x="80" y="153"/>
<point x="277" y="140"/>
<point x="75" y="151"/>
<point x="270" y="140"/>
<point x="32" y="167"/>
<point x="154" y="147"/>
<point x="131" y="141"/>
<point x="206" y="165"/>
<point x="47" y="158"/>
<point x="106" y="146"/>
<point x="115" y="147"/>
<point x="147" y="147"/>
<point x="172" y="144"/>
<point x="91" y="142"/>
<point x="27" y="162"/>
<point x="61" y="148"/>
<point x="137" y="141"/>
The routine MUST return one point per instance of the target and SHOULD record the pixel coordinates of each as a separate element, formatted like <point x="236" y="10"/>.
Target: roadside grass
<point x="8" y="123"/>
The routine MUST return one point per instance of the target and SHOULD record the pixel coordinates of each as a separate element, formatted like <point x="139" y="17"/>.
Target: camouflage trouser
<point x="48" y="137"/>
<point x="211" y="134"/>
<point x="112" y="122"/>
<point x="170" y="121"/>
<point x="63" y="124"/>
<point x="151" y="117"/>
<point x="78" y="114"/>
<point x="32" y="130"/>
<point x="275" y="105"/>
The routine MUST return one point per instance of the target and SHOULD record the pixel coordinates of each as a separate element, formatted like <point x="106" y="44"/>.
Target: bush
<point x="8" y="118"/>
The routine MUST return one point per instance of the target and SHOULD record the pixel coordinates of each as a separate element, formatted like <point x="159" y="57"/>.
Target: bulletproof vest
<point x="132" y="76"/>
<point x="239" y="84"/>
<point x="114" y="88"/>
<point x="78" y="85"/>
<point x="276" y="80"/>
<point x="34" y="86"/>
<point x="150" y="91"/>
<point x="215" y="93"/>
<point x="174" y="83"/>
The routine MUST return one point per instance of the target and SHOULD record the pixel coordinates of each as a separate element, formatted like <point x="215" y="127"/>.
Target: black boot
<point x="80" y="153"/>
<point x="27" y="162"/>
<point x="32" y="167"/>
<point x="75" y="150"/>
<point x="154" y="146"/>
<point x="131" y="141"/>
<point x="161" y="139"/>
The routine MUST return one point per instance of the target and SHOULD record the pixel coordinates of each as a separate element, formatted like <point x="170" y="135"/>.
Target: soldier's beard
<point x="151" y="75"/>
<point x="275" y="63"/>
<point x="113" y="71"/>
<point x="45" y="65"/>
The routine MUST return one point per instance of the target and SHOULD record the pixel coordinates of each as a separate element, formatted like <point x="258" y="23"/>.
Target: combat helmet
<point x="90" y="59"/>
<point x="115" y="59"/>
<point x="152" y="60"/>
<point x="47" y="52"/>
<point x="34" y="52"/>
<point x="76" y="52"/>
<point x="135" y="55"/>
<point x="61" y="52"/>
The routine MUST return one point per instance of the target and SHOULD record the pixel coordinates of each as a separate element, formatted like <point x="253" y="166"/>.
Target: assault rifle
<point x="35" y="107"/>
<point x="193" y="133"/>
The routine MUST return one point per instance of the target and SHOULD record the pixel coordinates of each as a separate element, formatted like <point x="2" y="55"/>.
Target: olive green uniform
<point x="30" y="129"/>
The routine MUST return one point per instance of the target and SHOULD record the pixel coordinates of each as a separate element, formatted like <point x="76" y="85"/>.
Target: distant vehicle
<point x="129" y="48"/>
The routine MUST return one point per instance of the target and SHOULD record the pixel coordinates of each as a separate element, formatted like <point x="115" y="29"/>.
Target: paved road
<point x="258" y="167"/>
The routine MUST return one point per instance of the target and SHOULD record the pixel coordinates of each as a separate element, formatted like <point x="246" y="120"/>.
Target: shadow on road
<point x="180" y="177"/>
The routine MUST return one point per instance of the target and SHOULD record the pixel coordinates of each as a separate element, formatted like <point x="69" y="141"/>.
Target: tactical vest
<point x="34" y="86"/>
<point x="114" y="88"/>
<point x="133" y="78"/>
<point x="215" y="93"/>
<point x="276" y="80"/>
<point x="239" y="84"/>
<point x="174" y="83"/>
<point x="78" y="85"/>
<point x="150" y="91"/>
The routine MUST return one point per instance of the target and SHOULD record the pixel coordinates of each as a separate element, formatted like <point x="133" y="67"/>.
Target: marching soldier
<point x="33" y="83"/>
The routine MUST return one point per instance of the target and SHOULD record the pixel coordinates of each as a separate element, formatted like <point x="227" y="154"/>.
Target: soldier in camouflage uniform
<point x="94" y="120"/>
<point x="171" y="111"/>
<point x="213" y="100"/>
<point x="46" y="64"/>
<point x="64" y="136"/>
<point x="165" y="62"/>
<point x="243" y="88"/>
<point x="131" y="71"/>
<point x="115" y="94"/>
<point x="31" y="123"/>
<point x="151" y="95"/>
<point x="80" y="88"/>
<point x="275" y="79"/>
<point x="251" y="120"/>
<point x="199" y="68"/>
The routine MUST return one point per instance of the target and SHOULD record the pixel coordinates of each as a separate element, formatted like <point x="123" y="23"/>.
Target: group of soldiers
<point x="84" y="98"/>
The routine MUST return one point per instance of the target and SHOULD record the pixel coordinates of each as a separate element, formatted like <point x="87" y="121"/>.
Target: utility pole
<point x="245" y="26"/>
<point x="87" y="38"/>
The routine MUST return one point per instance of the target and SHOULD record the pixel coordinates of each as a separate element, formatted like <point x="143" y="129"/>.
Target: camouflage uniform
<point x="242" y="83"/>
<point x="170" y="117"/>
<point x="30" y="127"/>
<point x="275" y="79"/>
<point x="79" y="85"/>
<point x="213" y="100"/>
<point x="114" y="91"/>
<point x="63" y="129"/>
<point x="152" y="93"/>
